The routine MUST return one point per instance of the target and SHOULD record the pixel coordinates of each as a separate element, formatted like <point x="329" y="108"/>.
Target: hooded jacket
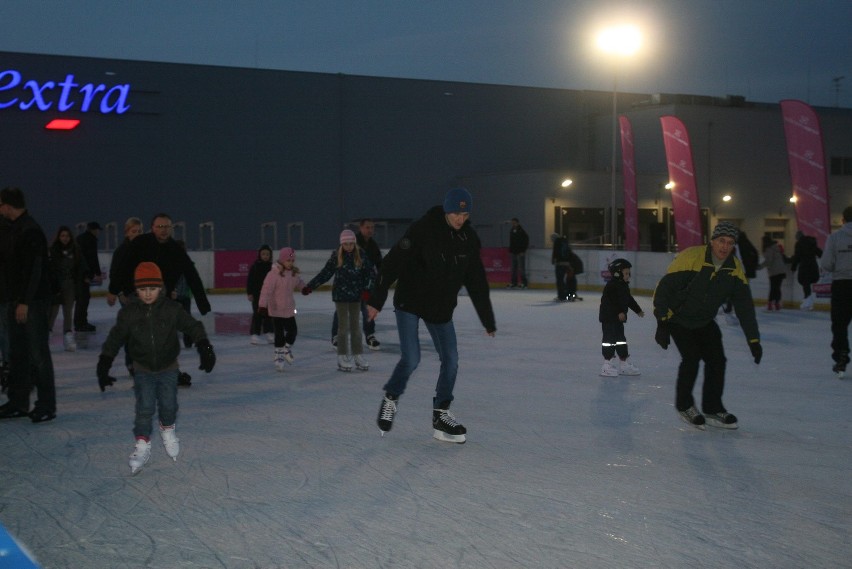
<point x="692" y="290"/>
<point x="429" y="265"/>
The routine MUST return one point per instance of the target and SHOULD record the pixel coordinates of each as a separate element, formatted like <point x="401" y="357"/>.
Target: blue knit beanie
<point x="458" y="200"/>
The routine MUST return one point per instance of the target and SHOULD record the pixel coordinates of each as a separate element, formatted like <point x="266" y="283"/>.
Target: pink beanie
<point x="287" y="254"/>
<point x="347" y="236"/>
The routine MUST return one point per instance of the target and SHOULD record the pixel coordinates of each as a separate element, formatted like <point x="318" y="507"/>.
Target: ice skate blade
<point x="448" y="438"/>
<point x="346" y="369"/>
<point x="363" y="368"/>
<point x="717" y="425"/>
<point x="702" y="427"/>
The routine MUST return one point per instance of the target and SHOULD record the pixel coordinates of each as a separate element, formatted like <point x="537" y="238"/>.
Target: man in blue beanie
<point x="438" y="254"/>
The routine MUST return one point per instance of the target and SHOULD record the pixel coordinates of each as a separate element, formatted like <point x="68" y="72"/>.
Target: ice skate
<point x="69" y="342"/>
<point x="372" y="343"/>
<point x="692" y="417"/>
<point x="609" y="369"/>
<point x="255" y="340"/>
<point x="141" y="455"/>
<point x="447" y="427"/>
<point x="270" y="338"/>
<point x="334" y="343"/>
<point x="279" y="359"/>
<point x="361" y="363"/>
<point x="721" y="420"/>
<point x="344" y="363"/>
<point x="170" y="441"/>
<point x="627" y="368"/>
<point x="387" y="412"/>
<point x="288" y="354"/>
<point x="840" y="366"/>
<point x="184" y="379"/>
<point x="807" y="303"/>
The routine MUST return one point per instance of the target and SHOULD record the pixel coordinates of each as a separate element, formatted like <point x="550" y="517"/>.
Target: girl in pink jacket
<point x="276" y="300"/>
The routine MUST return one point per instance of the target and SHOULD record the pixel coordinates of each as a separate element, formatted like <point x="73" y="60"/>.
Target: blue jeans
<point x="444" y="338"/>
<point x="155" y="391"/>
<point x="29" y="358"/>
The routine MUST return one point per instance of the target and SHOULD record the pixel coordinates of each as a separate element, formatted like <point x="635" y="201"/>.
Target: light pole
<point x="621" y="41"/>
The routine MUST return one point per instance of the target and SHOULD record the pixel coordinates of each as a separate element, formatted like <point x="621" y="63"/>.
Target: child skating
<point x="277" y="301"/>
<point x="148" y="325"/>
<point x="353" y="277"/>
<point x="615" y="301"/>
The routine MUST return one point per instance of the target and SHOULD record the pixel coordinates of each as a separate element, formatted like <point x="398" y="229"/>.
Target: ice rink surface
<point x="562" y="468"/>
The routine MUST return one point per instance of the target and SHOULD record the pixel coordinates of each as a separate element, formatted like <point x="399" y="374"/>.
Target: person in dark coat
<point x="804" y="260"/>
<point x="88" y="243"/>
<point x="438" y="254"/>
<point x="260" y="268"/>
<point x="615" y="301"/>
<point x="519" y="242"/>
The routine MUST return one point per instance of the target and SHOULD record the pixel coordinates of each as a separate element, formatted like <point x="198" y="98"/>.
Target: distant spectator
<point x="519" y="242"/>
<point x="88" y="242"/>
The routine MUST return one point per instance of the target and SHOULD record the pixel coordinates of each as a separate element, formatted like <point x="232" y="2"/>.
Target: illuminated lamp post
<point x="620" y="41"/>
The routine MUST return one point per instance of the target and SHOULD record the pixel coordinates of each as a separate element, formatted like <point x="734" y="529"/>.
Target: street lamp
<point x="620" y="41"/>
<point x="725" y="199"/>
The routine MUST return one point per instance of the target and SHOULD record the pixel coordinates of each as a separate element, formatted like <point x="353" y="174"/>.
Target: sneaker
<point x="170" y="441"/>
<point x="344" y="363"/>
<point x="608" y="369"/>
<point x="288" y="355"/>
<point x="334" y="342"/>
<point x="447" y="428"/>
<point x="693" y="417"/>
<point x="141" y="455"/>
<point x="255" y="339"/>
<point x="69" y="342"/>
<point x="279" y="359"/>
<point x="270" y="338"/>
<point x="627" y="368"/>
<point x="387" y="412"/>
<point x="721" y="420"/>
<point x="184" y="379"/>
<point x="372" y="343"/>
<point x="361" y="363"/>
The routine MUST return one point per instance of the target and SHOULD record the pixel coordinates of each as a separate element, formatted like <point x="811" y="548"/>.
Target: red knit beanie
<point x="148" y="274"/>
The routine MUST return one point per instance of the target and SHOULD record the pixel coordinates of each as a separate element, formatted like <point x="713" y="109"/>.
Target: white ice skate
<point x="361" y="363"/>
<point x="170" y="441"/>
<point x="807" y="303"/>
<point x="288" y="355"/>
<point x="344" y="363"/>
<point x="627" y="368"/>
<point x="69" y="342"/>
<point x="255" y="340"/>
<point x="279" y="359"/>
<point x="270" y="338"/>
<point x="141" y="455"/>
<point x="609" y="369"/>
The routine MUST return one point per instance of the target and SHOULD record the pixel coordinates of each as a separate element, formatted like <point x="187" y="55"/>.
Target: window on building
<point x="841" y="165"/>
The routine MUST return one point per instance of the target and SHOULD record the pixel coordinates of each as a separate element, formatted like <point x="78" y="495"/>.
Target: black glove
<point x="263" y="312"/>
<point x="756" y="351"/>
<point x="104" y="378"/>
<point x="203" y="306"/>
<point x="662" y="336"/>
<point x="205" y="352"/>
<point x="307" y="290"/>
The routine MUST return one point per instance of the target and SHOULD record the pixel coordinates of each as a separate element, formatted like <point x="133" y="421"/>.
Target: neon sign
<point x="66" y="95"/>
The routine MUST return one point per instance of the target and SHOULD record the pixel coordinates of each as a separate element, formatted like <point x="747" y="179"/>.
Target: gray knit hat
<point x="725" y="229"/>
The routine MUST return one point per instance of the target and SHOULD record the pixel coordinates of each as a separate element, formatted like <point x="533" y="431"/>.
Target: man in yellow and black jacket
<point x="686" y="301"/>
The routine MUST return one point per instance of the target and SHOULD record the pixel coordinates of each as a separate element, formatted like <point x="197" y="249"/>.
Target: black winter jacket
<point x="615" y="299"/>
<point x="429" y="265"/>
<point x="151" y="333"/>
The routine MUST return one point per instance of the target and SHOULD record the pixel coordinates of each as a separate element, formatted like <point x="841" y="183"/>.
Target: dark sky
<point x="765" y="50"/>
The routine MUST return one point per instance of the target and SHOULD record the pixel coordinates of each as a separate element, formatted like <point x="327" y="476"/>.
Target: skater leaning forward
<point x="438" y="254"/>
<point x="148" y="325"/>
<point x="686" y="300"/>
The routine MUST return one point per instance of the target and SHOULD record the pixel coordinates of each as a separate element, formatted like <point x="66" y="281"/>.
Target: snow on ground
<point x="562" y="468"/>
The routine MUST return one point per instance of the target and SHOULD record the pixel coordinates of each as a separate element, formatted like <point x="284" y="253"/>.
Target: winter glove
<point x="203" y="306"/>
<point x="205" y="351"/>
<point x="307" y="290"/>
<point x="365" y="296"/>
<point x="756" y="351"/>
<point x="662" y="336"/>
<point x="104" y="379"/>
<point x="263" y="312"/>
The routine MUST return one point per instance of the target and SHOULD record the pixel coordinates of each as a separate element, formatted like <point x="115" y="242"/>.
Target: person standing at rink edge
<point x="438" y="254"/>
<point x="686" y="301"/>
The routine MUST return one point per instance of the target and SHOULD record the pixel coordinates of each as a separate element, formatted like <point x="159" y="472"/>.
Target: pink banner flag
<point x="687" y="216"/>
<point x="631" y="207"/>
<point x="807" y="169"/>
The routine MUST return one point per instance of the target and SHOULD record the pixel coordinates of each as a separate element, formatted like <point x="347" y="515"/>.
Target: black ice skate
<point x="447" y="428"/>
<point x="840" y="367"/>
<point x="693" y="417"/>
<point x="721" y="420"/>
<point x="387" y="411"/>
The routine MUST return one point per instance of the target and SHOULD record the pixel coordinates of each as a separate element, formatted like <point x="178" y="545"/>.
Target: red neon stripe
<point x="62" y="124"/>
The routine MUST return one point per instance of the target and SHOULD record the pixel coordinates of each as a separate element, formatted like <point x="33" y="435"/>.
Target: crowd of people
<point x="153" y="278"/>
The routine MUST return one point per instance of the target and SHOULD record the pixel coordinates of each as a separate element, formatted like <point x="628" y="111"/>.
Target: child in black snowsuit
<point x="615" y="301"/>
